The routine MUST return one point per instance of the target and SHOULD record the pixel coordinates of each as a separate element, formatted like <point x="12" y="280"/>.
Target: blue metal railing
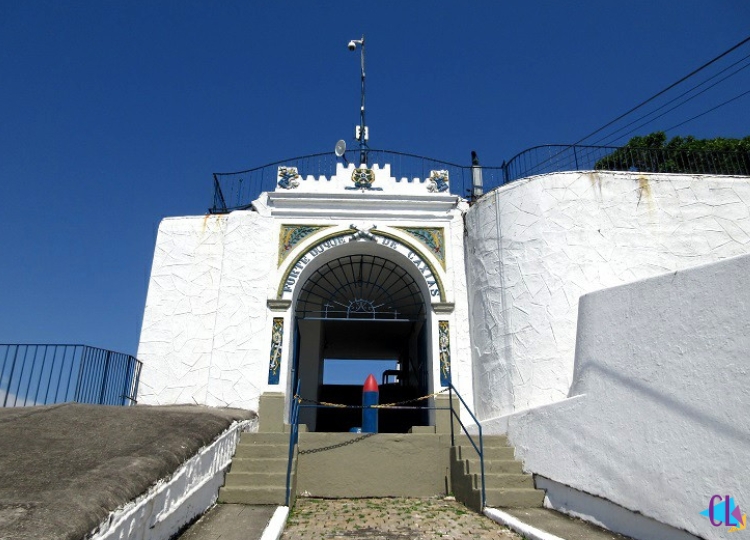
<point x="479" y="449"/>
<point x="293" y="440"/>
<point x="478" y="446"/>
<point x="237" y="190"/>
<point x="42" y="374"/>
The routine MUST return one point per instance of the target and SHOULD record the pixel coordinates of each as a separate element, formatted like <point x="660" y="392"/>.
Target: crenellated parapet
<point x="363" y="179"/>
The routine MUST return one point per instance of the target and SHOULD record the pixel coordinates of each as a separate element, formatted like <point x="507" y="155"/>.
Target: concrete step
<point x="495" y="466"/>
<point x="248" y="465"/>
<point x="255" y="479"/>
<point x="514" y="497"/>
<point x="265" y="438"/>
<point x="260" y="451"/>
<point x="488" y="441"/>
<point x="491" y="453"/>
<point x="494" y="480"/>
<point x="253" y="495"/>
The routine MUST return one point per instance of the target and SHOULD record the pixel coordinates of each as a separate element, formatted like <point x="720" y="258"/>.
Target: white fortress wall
<point x="239" y="367"/>
<point x="657" y="418"/>
<point x="462" y="376"/>
<point x="179" y="318"/>
<point x="536" y="245"/>
<point x="204" y="334"/>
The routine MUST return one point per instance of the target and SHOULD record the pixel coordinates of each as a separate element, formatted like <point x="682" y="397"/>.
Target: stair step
<point x="514" y="497"/>
<point x="255" y="479"/>
<point x="253" y="495"/>
<point x="488" y="441"/>
<point x="249" y="465"/>
<point x="491" y="453"/>
<point x="506" y="481"/>
<point x="495" y="466"/>
<point x="265" y="438"/>
<point x="261" y="451"/>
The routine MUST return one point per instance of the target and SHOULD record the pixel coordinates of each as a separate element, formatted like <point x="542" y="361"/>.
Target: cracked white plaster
<point x="536" y="245"/>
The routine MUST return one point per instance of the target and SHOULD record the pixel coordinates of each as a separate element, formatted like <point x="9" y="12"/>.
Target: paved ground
<point x="562" y="525"/>
<point x="389" y="519"/>
<point x="230" y="522"/>
<point x="63" y="468"/>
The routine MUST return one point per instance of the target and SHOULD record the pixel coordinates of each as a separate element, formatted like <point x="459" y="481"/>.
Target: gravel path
<point x="389" y="519"/>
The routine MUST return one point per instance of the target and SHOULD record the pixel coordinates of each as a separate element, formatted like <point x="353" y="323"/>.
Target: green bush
<point x="653" y="153"/>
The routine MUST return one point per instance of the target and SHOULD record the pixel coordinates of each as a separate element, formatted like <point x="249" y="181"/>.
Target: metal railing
<point x="43" y="374"/>
<point x="296" y="405"/>
<point x="237" y="190"/>
<point x="480" y="448"/>
<point x="293" y="440"/>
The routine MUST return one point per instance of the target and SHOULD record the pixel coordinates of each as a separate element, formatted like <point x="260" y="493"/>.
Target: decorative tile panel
<point x="291" y="235"/>
<point x="274" y="363"/>
<point x="433" y="238"/>
<point x="444" y="341"/>
<point x="438" y="181"/>
<point x="288" y="178"/>
<point x="363" y="179"/>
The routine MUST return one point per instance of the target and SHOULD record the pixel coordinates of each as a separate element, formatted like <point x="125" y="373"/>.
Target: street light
<point x="361" y="133"/>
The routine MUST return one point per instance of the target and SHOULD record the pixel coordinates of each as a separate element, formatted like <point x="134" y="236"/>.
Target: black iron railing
<point x="237" y="190"/>
<point x="478" y="444"/>
<point x="40" y="374"/>
<point x="293" y="440"/>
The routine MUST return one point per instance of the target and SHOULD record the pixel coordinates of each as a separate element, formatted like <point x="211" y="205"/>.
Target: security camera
<point x="352" y="45"/>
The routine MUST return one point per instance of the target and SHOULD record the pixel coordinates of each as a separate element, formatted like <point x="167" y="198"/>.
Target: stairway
<point x="258" y="471"/>
<point x="505" y="483"/>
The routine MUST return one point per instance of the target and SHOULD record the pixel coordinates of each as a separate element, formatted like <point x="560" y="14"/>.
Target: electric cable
<point x="735" y="98"/>
<point x="649" y="100"/>
<point x="610" y="142"/>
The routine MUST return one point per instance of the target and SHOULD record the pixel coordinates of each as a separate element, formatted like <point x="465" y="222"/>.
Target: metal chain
<point x="300" y="399"/>
<point x="333" y="446"/>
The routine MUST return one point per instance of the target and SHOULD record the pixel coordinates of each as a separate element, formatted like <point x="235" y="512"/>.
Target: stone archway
<point x="363" y="302"/>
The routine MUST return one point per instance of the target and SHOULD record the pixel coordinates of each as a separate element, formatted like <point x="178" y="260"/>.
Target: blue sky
<point x="115" y="114"/>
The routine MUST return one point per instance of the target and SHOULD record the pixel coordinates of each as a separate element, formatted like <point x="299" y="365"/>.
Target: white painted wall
<point x="206" y="329"/>
<point x="171" y="503"/>
<point x="657" y="421"/>
<point x="536" y="245"/>
<point x="206" y="332"/>
<point x="177" y="334"/>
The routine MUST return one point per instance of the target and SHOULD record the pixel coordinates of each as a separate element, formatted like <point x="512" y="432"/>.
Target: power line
<point x="673" y="100"/>
<point x="672" y="108"/>
<point x="683" y="79"/>
<point x="709" y="110"/>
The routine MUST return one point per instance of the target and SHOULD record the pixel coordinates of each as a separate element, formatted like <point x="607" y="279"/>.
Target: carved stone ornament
<point x="278" y="305"/>
<point x="443" y="307"/>
<point x="363" y="234"/>
<point x="438" y="181"/>
<point x="288" y="177"/>
<point x="363" y="179"/>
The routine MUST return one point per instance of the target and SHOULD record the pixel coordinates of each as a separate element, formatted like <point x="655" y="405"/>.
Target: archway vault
<point x="308" y="253"/>
<point x="359" y="296"/>
<point x="362" y="287"/>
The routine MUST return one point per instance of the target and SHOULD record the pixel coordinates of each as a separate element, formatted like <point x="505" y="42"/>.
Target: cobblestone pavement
<point x="389" y="519"/>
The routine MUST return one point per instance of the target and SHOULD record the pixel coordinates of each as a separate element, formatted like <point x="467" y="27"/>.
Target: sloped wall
<point x="536" y="245"/>
<point x="205" y="327"/>
<point x="657" y="418"/>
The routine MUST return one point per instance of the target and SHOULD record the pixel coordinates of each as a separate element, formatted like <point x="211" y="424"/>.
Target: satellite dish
<point x="340" y="148"/>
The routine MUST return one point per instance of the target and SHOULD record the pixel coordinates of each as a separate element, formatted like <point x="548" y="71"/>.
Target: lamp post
<point x="361" y="132"/>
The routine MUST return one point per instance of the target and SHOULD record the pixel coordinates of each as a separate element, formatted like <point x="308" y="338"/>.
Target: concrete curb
<point x="276" y="524"/>
<point x="519" y="526"/>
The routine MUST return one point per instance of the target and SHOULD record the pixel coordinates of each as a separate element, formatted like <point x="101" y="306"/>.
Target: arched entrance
<point x="362" y="309"/>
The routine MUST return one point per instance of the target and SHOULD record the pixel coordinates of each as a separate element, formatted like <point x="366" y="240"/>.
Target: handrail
<point x="237" y="190"/>
<point x="293" y="438"/>
<point x="43" y="374"/>
<point x="480" y="449"/>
